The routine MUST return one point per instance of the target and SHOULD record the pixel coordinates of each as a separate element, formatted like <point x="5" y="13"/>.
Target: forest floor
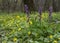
<point x="14" y="28"/>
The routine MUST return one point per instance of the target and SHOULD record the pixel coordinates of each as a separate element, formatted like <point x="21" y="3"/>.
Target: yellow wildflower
<point x="15" y="39"/>
<point x="19" y="29"/>
<point x="29" y="33"/>
<point x="43" y="16"/>
<point x="51" y="36"/>
<point x="17" y="16"/>
<point x="30" y="22"/>
<point x="55" y="41"/>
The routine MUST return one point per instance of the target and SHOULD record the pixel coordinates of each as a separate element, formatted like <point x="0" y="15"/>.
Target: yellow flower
<point x="15" y="39"/>
<point x="43" y="16"/>
<point x="55" y="41"/>
<point x="19" y="29"/>
<point x="30" y="22"/>
<point x="29" y="33"/>
<point x="17" y="16"/>
<point x="51" y="36"/>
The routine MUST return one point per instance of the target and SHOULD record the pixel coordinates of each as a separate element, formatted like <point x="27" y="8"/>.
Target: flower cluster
<point x="40" y="10"/>
<point x="26" y="9"/>
<point x="50" y="13"/>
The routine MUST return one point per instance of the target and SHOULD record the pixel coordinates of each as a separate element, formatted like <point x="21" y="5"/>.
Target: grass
<point x="14" y="28"/>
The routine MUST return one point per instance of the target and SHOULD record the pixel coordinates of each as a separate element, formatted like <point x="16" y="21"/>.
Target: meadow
<point x="14" y="28"/>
